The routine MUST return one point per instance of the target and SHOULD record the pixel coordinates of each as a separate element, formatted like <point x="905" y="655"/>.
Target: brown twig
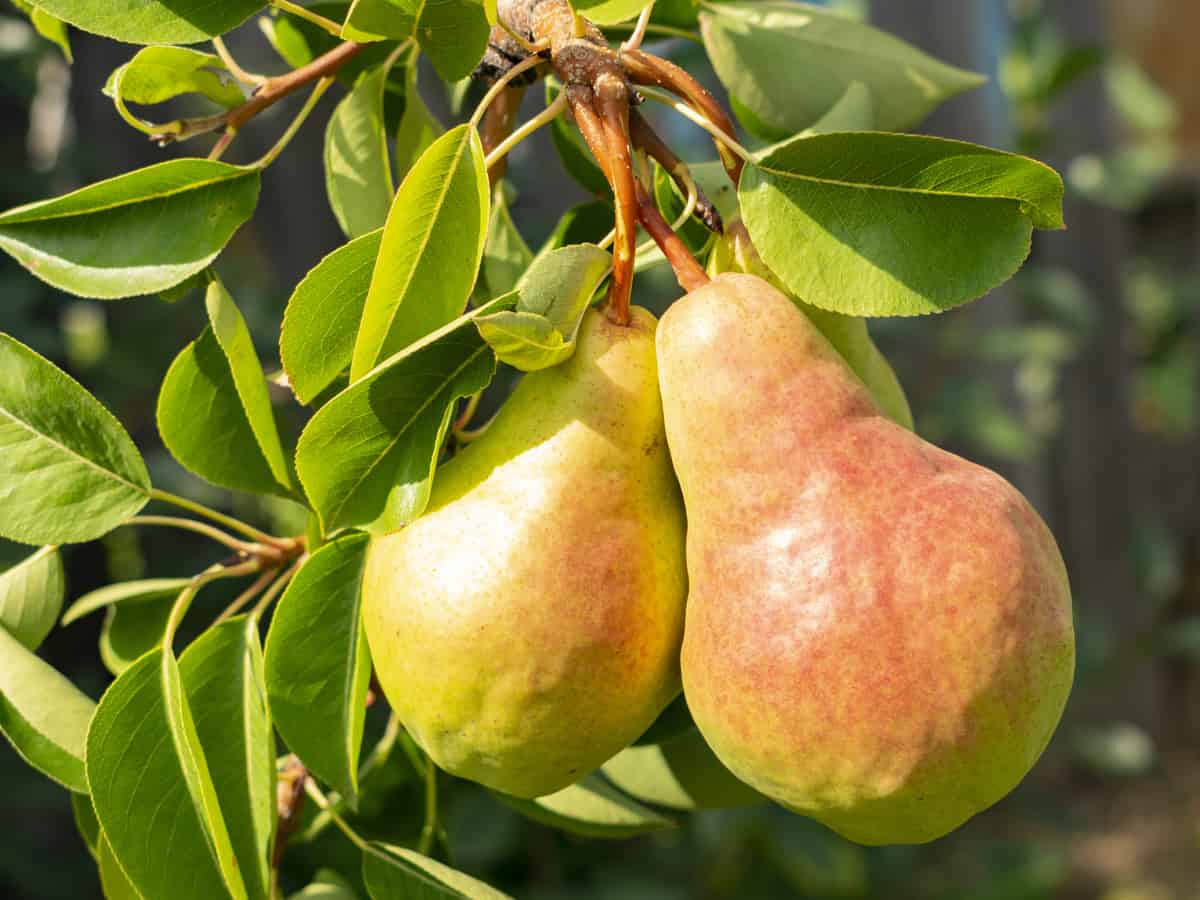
<point x="268" y="94"/>
<point x="688" y="272"/>
<point x="646" y="138"/>
<point x="645" y="68"/>
<point x="498" y="124"/>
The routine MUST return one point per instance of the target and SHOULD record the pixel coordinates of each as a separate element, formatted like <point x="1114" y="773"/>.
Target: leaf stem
<point x="246" y="596"/>
<point x="547" y="115"/>
<point x="286" y="138"/>
<point x="634" y="41"/>
<point x="664" y="30"/>
<point x="219" y="517"/>
<point x="184" y="601"/>
<point x="687" y="112"/>
<point x="208" y="531"/>
<point x="232" y="64"/>
<point x="316" y="18"/>
<point x="429" y="831"/>
<point x="277" y="588"/>
<point x="322" y="801"/>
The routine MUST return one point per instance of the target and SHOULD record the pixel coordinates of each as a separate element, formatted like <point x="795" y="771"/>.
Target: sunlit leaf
<point x="31" y="596"/>
<point x="68" y="470"/>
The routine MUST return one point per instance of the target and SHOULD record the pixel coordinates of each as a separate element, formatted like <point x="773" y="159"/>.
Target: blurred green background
<point x="1079" y="381"/>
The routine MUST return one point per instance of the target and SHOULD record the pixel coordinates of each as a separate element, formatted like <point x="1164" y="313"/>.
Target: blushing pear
<point x="527" y="626"/>
<point x="878" y="632"/>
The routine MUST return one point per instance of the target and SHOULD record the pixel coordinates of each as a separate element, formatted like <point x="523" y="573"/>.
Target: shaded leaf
<point x="787" y="63"/>
<point x="316" y="678"/>
<point x="222" y="674"/>
<point x="205" y="426"/>
<point x="593" y="808"/>
<point x="154" y="21"/>
<point x="43" y="715"/>
<point x="152" y="789"/>
<point x="48" y="26"/>
<point x="506" y="256"/>
<point x="130" y="632"/>
<point x="418" y="127"/>
<point x="133" y="592"/>
<point x="430" y="252"/>
<point x="321" y="321"/>
<point x="86" y="822"/>
<point x="68" y="470"/>
<point x="397" y="873"/>
<point x="895" y="225"/>
<point x="452" y="33"/>
<point x="113" y="880"/>
<point x="238" y="346"/>
<point x="367" y="457"/>
<point x="107" y="240"/>
<point x="31" y="596"/>
<point x="358" y="173"/>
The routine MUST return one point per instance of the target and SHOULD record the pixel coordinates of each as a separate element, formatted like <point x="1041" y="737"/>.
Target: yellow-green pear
<point x="878" y="632"/>
<point x="527" y="626"/>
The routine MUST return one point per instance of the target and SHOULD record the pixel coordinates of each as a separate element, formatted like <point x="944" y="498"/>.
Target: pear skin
<point x="527" y="627"/>
<point x="878" y="632"/>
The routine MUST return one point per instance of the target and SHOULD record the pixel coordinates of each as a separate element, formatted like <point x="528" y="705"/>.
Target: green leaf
<point x="573" y="150"/>
<point x="52" y="29"/>
<point x="317" y="678"/>
<point x="231" y="333"/>
<point x="554" y="294"/>
<point x="222" y="674"/>
<point x="321" y="321"/>
<point x="609" y="12"/>
<point x="506" y="256"/>
<point x="593" y="808"/>
<point x="895" y="225"/>
<point x="376" y="20"/>
<point x="328" y="886"/>
<point x="366" y="458"/>
<point x="397" y="873"/>
<point x="113" y="880"/>
<point x="680" y="772"/>
<point x="152" y="789"/>
<point x="158" y="74"/>
<point x="43" y="715"/>
<point x="31" y="596"/>
<point x="214" y="412"/>
<point x="154" y="21"/>
<point x="418" y="127"/>
<point x="431" y="248"/>
<point x="130" y="632"/>
<point x="68" y="470"/>
<point x="108" y="240"/>
<point x="299" y="41"/>
<point x="787" y="63"/>
<point x="524" y="340"/>
<point x="132" y="592"/>
<point x="671" y="203"/>
<point x="358" y="173"/>
<point x="86" y="822"/>
<point x="452" y="33"/>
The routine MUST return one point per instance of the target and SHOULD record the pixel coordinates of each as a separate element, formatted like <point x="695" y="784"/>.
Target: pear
<point x="878" y="632"/>
<point x="528" y="625"/>
<point x="735" y="252"/>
